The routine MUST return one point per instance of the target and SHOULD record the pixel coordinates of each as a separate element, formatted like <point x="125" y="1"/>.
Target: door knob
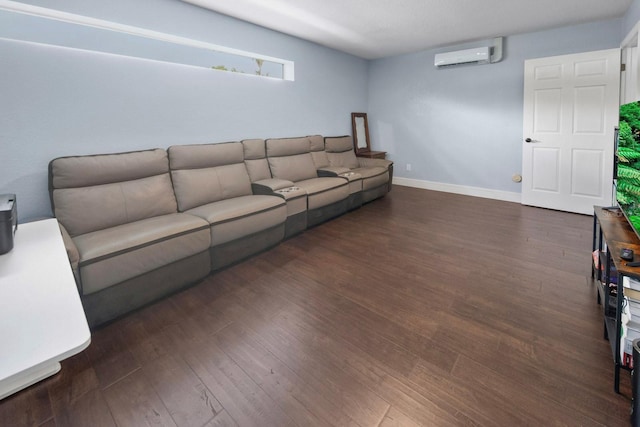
<point x="528" y="140"/>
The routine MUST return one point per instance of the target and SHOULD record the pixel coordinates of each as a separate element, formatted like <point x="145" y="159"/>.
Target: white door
<point x="570" y="113"/>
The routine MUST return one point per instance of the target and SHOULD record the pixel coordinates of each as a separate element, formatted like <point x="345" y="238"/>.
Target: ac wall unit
<point x="478" y="55"/>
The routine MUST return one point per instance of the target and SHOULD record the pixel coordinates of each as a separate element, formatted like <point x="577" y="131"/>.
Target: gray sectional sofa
<point x="141" y="225"/>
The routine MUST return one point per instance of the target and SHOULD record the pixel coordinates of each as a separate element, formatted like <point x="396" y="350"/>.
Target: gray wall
<point x="458" y="126"/>
<point x="463" y="125"/>
<point x="58" y="102"/>
<point x="631" y="18"/>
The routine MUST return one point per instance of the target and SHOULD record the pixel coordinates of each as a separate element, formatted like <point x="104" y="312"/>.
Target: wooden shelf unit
<point x="612" y="233"/>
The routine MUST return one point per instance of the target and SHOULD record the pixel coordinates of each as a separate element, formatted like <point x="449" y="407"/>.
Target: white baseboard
<point x="485" y="193"/>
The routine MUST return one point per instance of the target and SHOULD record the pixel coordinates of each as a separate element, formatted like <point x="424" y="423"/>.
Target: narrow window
<point x="19" y="21"/>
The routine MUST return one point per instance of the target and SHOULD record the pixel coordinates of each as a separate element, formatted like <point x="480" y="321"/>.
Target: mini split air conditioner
<point x="479" y="55"/>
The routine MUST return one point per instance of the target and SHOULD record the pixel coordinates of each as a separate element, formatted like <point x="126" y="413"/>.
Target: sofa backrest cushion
<point x="207" y="173"/>
<point x="254" y="149"/>
<point x="90" y="193"/>
<point x="255" y="158"/>
<point x="340" y="151"/>
<point x="316" y="142"/>
<point x="317" y="151"/>
<point x="290" y="159"/>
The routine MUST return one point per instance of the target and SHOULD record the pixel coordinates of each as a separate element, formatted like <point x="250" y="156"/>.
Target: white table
<point x="41" y="317"/>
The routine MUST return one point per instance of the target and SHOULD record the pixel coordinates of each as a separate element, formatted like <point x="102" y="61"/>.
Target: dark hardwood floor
<point x="420" y="309"/>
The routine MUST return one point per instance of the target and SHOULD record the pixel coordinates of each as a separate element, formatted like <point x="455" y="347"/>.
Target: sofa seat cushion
<point x="372" y="177"/>
<point x="355" y="181"/>
<point x="324" y="191"/>
<point x="126" y="251"/>
<point x="238" y="217"/>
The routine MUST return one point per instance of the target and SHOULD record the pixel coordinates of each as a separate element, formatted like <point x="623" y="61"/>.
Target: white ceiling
<point x="378" y="28"/>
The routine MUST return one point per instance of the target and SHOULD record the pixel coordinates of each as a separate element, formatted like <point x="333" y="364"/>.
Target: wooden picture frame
<point x="360" y="126"/>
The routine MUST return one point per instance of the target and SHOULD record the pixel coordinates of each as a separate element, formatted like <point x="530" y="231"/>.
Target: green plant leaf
<point x="627" y="154"/>
<point x="628" y="188"/>
<point x="632" y="175"/>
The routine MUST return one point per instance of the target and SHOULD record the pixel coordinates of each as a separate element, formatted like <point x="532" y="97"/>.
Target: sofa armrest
<point x="365" y="162"/>
<point x="72" y="253"/>
<point x="332" y="170"/>
<point x="268" y="186"/>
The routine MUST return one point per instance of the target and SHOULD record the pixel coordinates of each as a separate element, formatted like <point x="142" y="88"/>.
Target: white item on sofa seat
<point x="42" y="321"/>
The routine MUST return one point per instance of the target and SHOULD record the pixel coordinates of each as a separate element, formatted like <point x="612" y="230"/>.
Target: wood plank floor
<point x="420" y="309"/>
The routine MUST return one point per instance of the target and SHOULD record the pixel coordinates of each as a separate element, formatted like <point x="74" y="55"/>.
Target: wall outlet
<point x="408" y="166"/>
